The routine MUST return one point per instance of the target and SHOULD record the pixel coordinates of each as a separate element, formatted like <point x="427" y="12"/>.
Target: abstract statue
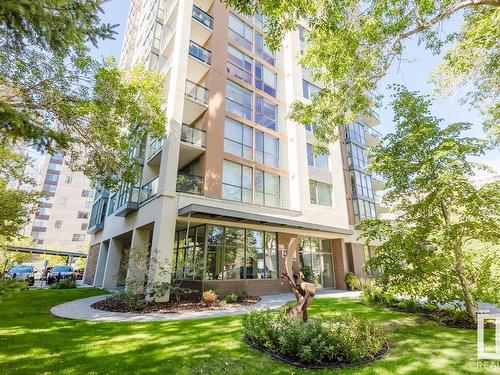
<point x="303" y="291"/>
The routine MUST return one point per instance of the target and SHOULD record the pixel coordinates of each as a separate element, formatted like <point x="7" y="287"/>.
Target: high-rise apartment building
<point x="234" y="182"/>
<point x="61" y="222"/>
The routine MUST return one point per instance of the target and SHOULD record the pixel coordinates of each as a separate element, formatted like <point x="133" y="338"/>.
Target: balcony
<point x="373" y="136"/>
<point x="192" y="144"/>
<point x="202" y="25"/>
<point x="127" y="200"/>
<point x="149" y="190"/>
<point x="138" y="153"/>
<point x="188" y="183"/>
<point x="377" y="182"/>
<point x="154" y="151"/>
<point x="372" y="118"/>
<point x="196" y="101"/>
<point x="199" y="62"/>
<point x="98" y="215"/>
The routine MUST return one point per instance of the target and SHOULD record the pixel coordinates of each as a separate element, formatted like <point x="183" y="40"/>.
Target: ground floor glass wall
<point x="316" y="261"/>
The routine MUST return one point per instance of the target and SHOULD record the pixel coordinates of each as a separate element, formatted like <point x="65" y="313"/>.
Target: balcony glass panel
<point x="200" y="53"/>
<point x="149" y="190"/>
<point x="196" y="92"/>
<point x="193" y="135"/>
<point x="188" y="183"/>
<point x="202" y="17"/>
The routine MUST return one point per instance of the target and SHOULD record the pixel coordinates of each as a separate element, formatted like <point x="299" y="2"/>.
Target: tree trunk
<point x="464" y="283"/>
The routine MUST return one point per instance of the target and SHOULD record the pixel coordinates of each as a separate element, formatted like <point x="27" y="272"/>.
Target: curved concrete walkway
<point x="81" y="310"/>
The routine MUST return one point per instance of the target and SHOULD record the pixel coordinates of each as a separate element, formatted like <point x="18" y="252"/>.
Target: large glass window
<point x="361" y="184"/>
<point x="238" y="100"/>
<point x="356" y="132"/>
<point x="364" y="209"/>
<point x="267" y="189"/>
<point x="239" y="64"/>
<point x="357" y="156"/>
<point x="266" y="113"/>
<point x="308" y="89"/>
<point x="238" y="139"/>
<point x="234" y="253"/>
<point x="189" y="253"/>
<point x="266" y="149"/>
<point x="262" y="50"/>
<point x="236" y="182"/>
<point x="265" y="79"/>
<point x="316" y="160"/>
<point x="320" y="193"/>
<point x="240" y="32"/>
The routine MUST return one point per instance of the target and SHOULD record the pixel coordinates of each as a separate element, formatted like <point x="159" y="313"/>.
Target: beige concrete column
<point x="339" y="262"/>
<point x="112" y="264"/>
<point x="101" y="264"/>
<point x="138" y="260"/>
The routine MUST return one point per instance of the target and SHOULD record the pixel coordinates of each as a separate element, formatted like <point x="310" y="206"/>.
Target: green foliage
<point x="64" y="284"/>
<point x="209" y="298"/>
<point x="179" y="294"/>
<point x="10" y="285"/>
<point x="242" y="293"/>
<point x="352" y="44"/>
<point x="372" y="294"/>
<point x="352" y="280"/>
<point x="344" y="339"/>
<point x="427" y="172"/>
<point x="231" y="298"/>
<point x="129" y="300"/>
<point x="308" y="273"/>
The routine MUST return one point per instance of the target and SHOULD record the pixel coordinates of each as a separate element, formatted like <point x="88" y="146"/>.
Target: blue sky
<point x="413" y="72"/>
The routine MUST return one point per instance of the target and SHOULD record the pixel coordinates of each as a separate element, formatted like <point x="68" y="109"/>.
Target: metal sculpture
<point x="304" y="292"/>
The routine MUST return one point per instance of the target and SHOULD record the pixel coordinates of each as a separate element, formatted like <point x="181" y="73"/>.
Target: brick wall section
<point x="91" y="264"/>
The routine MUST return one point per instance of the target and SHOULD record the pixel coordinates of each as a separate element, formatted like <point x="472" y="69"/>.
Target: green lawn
<point x="32" y="341"/>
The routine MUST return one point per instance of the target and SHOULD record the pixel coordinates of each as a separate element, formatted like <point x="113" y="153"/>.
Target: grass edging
<point x="381" y="354"/>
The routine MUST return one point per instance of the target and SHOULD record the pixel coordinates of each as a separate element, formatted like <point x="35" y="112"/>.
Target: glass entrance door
<point x="316" y="261"/>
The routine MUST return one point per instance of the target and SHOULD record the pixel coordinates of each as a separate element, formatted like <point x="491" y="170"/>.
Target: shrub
<point x="231" y="298"/>
<point x="344" y="339"/>
<point x="352" y="280"/>
<point x="209" y="298"/>
<point x="461" y="317"/>
<point x="242" y="293"/>
<point x="128" y="300"/>
<point x="64" y="284"/>
<point x="180" y="294"/>
<point x="12" y="286"/>
<point x="374" y="295"/>
<point x="308" y="273"/>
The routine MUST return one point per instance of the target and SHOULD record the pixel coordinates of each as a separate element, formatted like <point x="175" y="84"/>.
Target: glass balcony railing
<point x="154" y="146"/>
<point x="200" y="53"/>
<point x="149" y="190"/>
<point x="188" y="183"/>
<point x="373" y="114"/>
<point x="196" y="92"/>
<point x="202" y="17"/>
<point x="193" y="135"/>
<point x="127" y="200"/>
<point x="374" y="133"/>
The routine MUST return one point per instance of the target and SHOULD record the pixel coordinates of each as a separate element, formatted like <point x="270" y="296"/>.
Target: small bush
<point x="374" y="295"/>
<point x="64" y="284"/>
<point x="231" y="298"/>
<point x="352" y="280"/>
<point x="242" y="293"/>
<point x="128" y="300"/>
<point x="209" y="298"/>
<point x="344" y="339"/>
<point x="461" y="317"/>
<point x="181" y="294"/>
<point x="12" y="286"/>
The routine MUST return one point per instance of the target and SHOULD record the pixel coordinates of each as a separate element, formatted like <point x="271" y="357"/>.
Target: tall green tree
<point x="439" y="212"/>
<point x="351" y="44"/>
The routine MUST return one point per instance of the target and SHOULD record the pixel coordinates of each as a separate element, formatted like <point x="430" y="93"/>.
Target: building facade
<point x="234" y="183"/>
<point x="61" y="222"/>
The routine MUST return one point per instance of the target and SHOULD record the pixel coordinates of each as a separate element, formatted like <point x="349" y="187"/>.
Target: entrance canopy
<point x="203" y="211"/>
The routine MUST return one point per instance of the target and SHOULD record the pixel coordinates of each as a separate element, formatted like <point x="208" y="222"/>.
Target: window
<point x="55" y="166"/>
<point x="238" y="139"/>
<point x="38" y="236"/>
<point x="267" y="189"/>
<point x="308" y="89"/>
<point x="320" y="193"/>
<point x="58" y="224"/>
<point x="63" y="202"/>
<point x="361" y="184"/>
<point x="68" y="179"/>
<point x="84" y="226"/>
<point x="157" y="35"/>
<point x="234" y="253"/>
<point x="357" y="156"/>
<point x="188" y="253"/>
<point x="82" y="215"/>
<point x="262" y="50"/>
<point x="240" y="32"/>
<point x="266" y="149"/>
<point x="239" y="64"/>
<point x="51" y="177"/>
<point x="356" y="132"/>
<point x="259" y="19"/>
<point x="86" y="193"/>
<point x="77" y="237"/>
<point x="88" y="204"/>
<point x="49" y="188"/>
<point x="316" y="160"/>
<point x="238" y="100"/>
<point x="236" y="182"/>
<point x="111" y="205"/>
<point x="266" y="113"/>
<point x="43" y="211"/>
<point x="39" y="223"/>
<point x="265" y="79"/>
<point x="364" y="209"/>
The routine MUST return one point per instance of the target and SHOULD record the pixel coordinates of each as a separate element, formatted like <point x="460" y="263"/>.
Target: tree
<point x="427" y="172"/>
<point x="55" y="97"/>
<point x="351" y="44"/>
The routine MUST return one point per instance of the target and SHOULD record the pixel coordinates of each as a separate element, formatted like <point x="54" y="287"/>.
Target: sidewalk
<point x="81" y="310"/>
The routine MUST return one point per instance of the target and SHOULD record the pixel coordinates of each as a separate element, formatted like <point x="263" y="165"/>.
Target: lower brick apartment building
<point x="223" y="194"/>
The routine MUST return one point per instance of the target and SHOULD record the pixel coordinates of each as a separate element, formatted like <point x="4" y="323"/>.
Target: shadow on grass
<point x="32" y="341"/>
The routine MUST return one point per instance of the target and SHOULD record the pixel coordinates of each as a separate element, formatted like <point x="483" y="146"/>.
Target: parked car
<point x="22" y="273"/>
<point x="60" y="272"/>
<point x="79" y="274"/>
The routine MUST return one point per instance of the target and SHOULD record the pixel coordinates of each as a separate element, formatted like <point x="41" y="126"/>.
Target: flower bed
<point x="341" y="342"/>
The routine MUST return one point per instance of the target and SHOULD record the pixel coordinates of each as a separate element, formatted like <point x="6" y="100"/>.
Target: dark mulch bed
<point x="333" y="365"/>
<point x="442" y="317"/>
<point x="171" y="307"/>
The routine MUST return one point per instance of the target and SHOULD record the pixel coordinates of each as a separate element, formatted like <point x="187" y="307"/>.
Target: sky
<point x="413" y="72"/>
